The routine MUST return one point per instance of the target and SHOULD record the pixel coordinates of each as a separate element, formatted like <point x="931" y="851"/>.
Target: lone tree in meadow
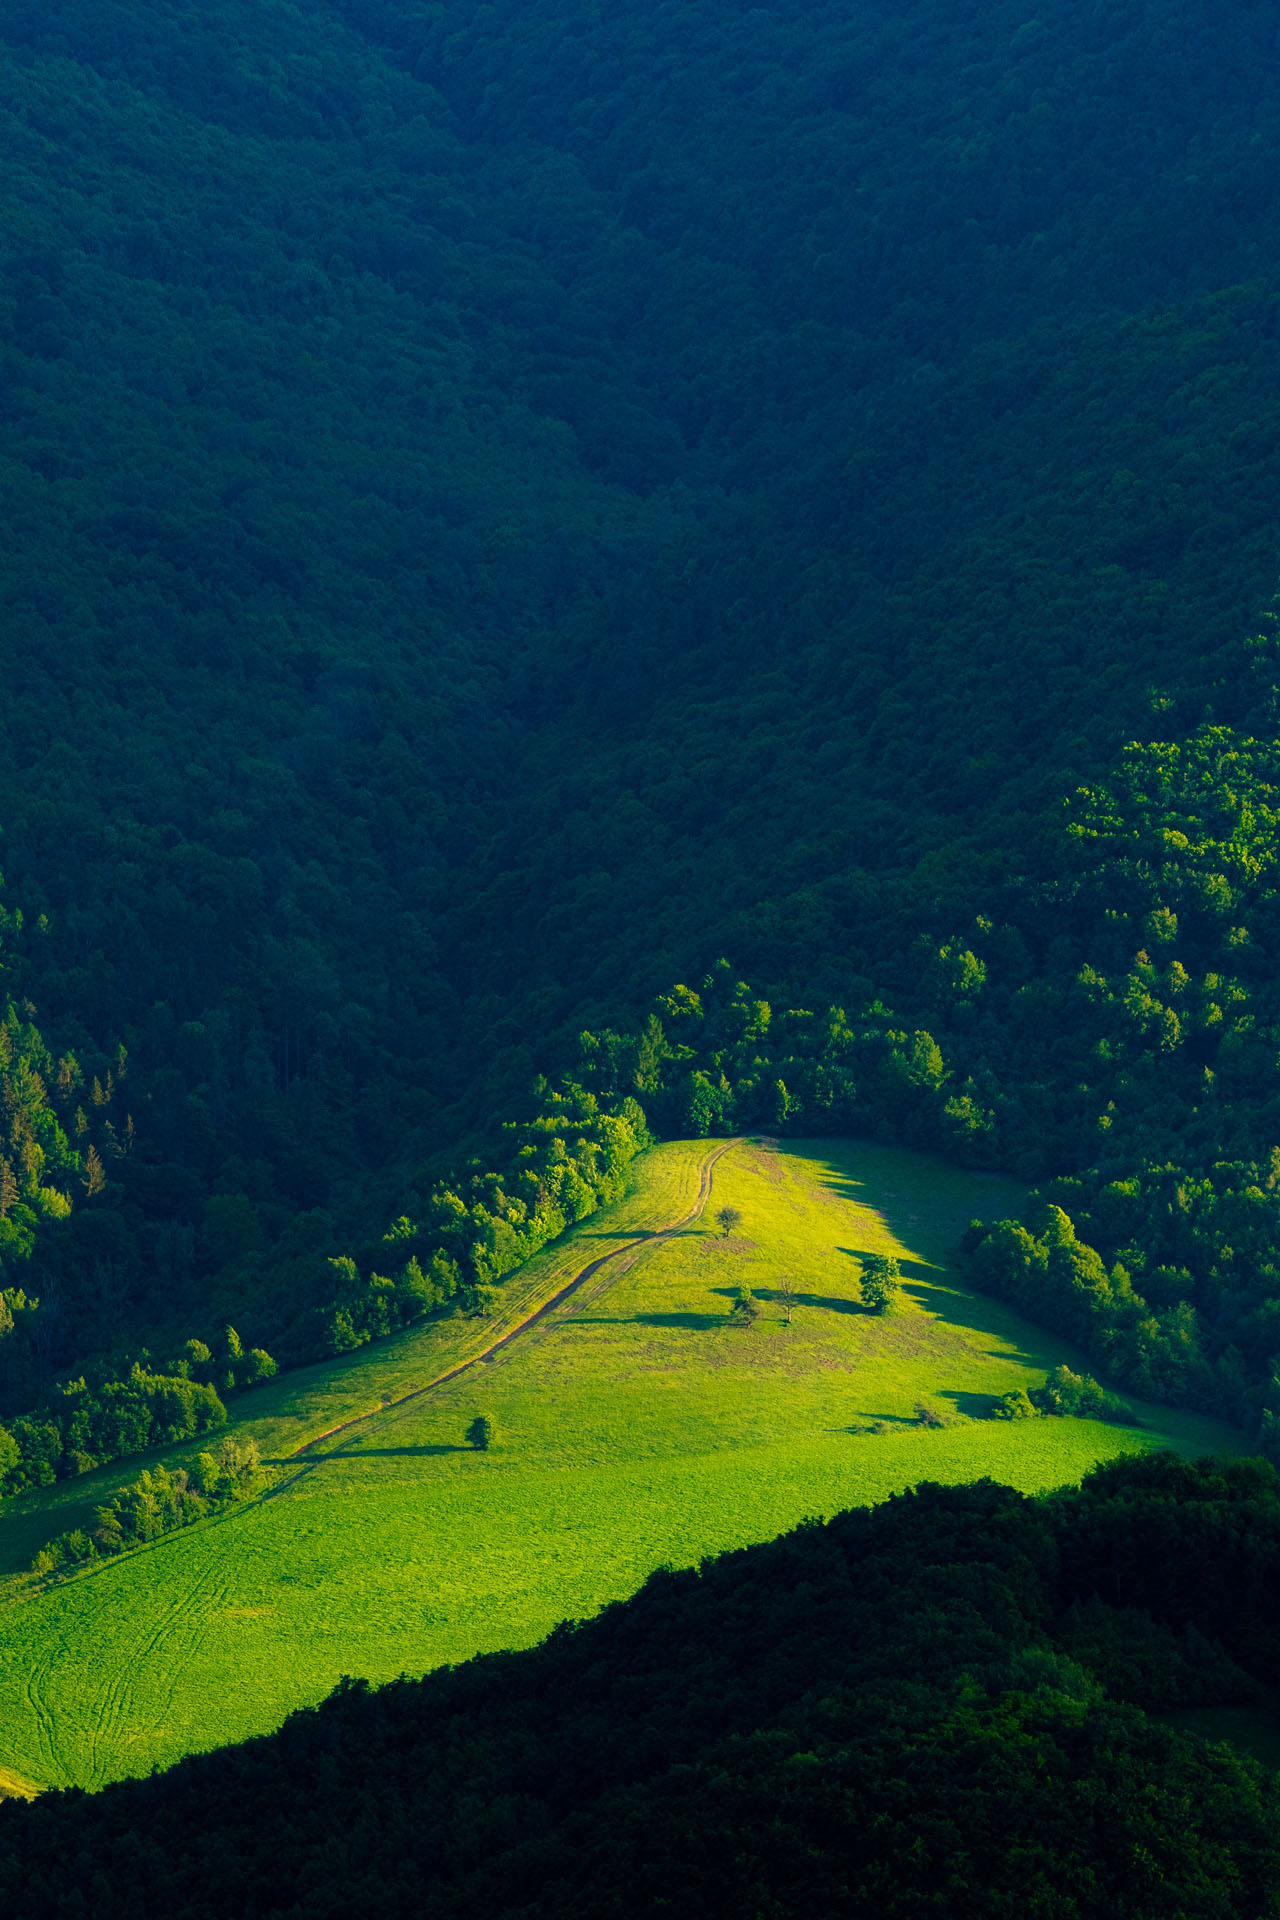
<point x="881" y="1283"/>
<point x="727" y="1219"/>
<point x="745" y="1310"/>
<point x="481" y="1433"/>
<point x="785" y="1294"/>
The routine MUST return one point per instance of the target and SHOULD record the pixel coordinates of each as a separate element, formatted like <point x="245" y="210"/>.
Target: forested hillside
<point x="507" y="505"/>
<point x="953" y="1703"/>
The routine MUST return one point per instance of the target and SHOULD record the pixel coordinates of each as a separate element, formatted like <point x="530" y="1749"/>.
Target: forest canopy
<point x="505" y="507"/>
<point x="576" y="574"/>
<point x="963" y="1688"/>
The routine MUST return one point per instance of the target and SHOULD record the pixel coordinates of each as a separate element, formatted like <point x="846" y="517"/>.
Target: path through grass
<point x="636" y="1427"/>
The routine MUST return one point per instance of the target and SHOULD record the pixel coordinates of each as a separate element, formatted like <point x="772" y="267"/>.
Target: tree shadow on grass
<point x="833" y="1302"/>
<point x="697" y="1322"/>
<point x="978" y="1313"/>
<point x="390" y="1453"/>
<point x="653" y="1233"/>
<point x="974" y="1406"/>
<point x="931" y="1288"/>
<point x="623" y="1233"/>
<point x="888" y="1179"/>
<point x="895" y="1422"/>
<point x="910" y="1269"/>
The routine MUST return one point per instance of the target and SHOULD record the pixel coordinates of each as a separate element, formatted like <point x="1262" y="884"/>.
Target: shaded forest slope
<point x="950" y="1691"/>
<point x="503" y="504"/>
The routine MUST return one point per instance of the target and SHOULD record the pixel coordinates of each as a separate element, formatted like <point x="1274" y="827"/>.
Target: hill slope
<point x="636" y="1426"/>
<point x="502" y="505"/>
<point x="936" y="1694"/>
<point x="504" y="575"/>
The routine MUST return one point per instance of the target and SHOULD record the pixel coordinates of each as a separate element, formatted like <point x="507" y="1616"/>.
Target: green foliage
<point x="504" y="504"/>
<point x="1065" y="1392"/>
<point x="929" y="1414"/>
<point x="728" y="1219"/>
<point x="1065" y="1283"/>
<point x="880" y="1282"/>
<point x="158" y="1502"/>
<point x="408" y="414"/>
<point x="648" y="1431"/>
<point x="79" y="1426"/>
<point x="545" y="1174"/>
<point x="940" y="1708"/>
<point x="333" y="584"/>
<point x="1014" y="1406"/>
<point x="42" y="1175"/>
<point x="481" y="1434"/>
<point x="745" y="1310"/>
<point x="368" y="607"/>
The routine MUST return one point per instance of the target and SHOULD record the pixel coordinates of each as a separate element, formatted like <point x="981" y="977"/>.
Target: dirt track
<point x="632" y="1245"/>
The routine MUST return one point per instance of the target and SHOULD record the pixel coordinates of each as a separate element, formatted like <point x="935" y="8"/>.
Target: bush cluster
<point x="159" y="1501"/>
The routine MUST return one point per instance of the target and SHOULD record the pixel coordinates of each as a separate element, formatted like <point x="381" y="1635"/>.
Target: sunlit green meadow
<point x="636" y="1426"/>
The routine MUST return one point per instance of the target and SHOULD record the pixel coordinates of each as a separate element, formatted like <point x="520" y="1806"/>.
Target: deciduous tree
<point x="881" y="1282"/>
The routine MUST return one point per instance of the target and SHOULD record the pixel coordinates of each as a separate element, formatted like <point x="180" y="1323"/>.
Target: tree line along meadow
<point x="506" y="579"/>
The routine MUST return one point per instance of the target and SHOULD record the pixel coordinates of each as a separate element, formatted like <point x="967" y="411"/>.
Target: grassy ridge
<point x="636" y="1427"/>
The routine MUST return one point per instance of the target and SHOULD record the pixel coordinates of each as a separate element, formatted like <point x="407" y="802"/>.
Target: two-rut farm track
<point x="633" y="1244"/>
<point x="626" y="1252"/>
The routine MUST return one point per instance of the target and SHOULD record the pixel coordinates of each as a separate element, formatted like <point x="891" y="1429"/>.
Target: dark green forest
<point x="505" y="508"/>
<point x="577" y="574"/>
<point x="951" y="1704"/>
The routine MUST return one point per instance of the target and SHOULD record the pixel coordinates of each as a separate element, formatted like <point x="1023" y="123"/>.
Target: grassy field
<point x="636" y="1427"/>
